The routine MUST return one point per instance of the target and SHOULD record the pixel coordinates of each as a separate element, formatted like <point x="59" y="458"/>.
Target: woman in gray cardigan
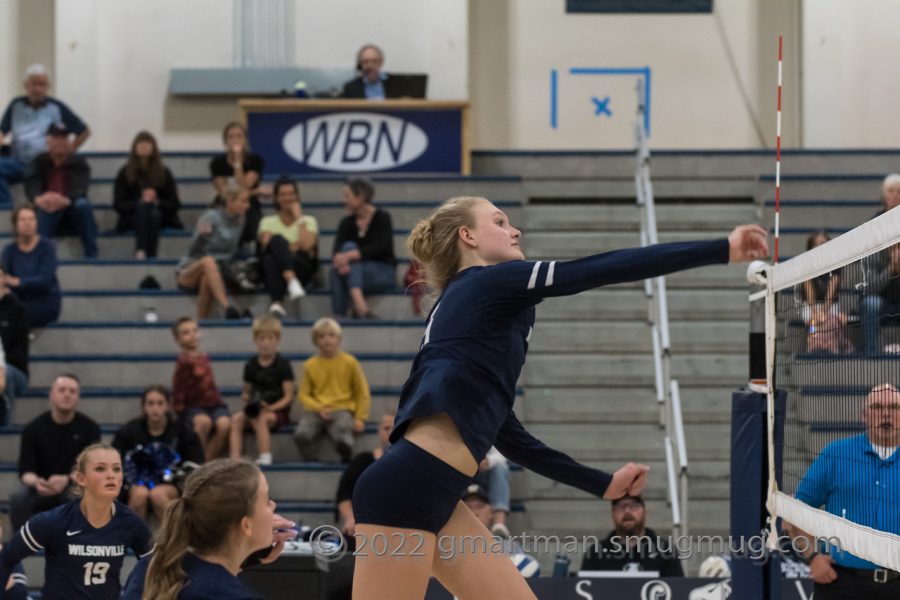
<point x="216" y="240"/>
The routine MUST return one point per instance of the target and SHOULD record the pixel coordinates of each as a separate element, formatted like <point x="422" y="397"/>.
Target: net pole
<point x="778" y="155"/>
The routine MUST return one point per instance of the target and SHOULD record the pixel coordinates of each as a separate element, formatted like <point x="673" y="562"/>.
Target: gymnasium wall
<point x="850" y="77"/>
<point x="113" y="57"/>
<point x="712" y="76"/>
<point x="699" y="97"/>
<point x="8" y="45"/>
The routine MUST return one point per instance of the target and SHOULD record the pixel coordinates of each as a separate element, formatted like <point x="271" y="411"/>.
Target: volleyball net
<point x="833" y="345"/>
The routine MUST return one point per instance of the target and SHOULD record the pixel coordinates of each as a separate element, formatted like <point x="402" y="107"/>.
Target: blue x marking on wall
<point x="601" y="106"/>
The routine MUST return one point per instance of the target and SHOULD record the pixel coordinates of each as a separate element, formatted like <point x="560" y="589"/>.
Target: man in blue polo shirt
<point x="858" y="479"/>
<point x="28" y="117"/>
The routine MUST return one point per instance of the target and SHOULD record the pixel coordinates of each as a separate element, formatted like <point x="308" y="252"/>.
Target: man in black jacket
<point x="631" y="546"/>
<point x="58" y="185"/>
<point x="49" y="446"/>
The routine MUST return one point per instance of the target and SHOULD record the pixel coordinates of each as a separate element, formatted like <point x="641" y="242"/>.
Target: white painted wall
<point x="9" y="40"/>
<point x="696" y="94"/>
<point x="851" y="90"/>
<point x="114" y="57"/>
<point x="417" y="36"/>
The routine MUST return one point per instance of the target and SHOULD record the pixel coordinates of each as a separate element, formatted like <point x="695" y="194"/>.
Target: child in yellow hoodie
<point x="334" y="395"/>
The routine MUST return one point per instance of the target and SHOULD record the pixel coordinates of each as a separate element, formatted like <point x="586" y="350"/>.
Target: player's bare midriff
<point x="438" y="435"/>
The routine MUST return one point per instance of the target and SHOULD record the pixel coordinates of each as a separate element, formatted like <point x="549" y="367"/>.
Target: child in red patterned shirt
<point x="194" y="393"/>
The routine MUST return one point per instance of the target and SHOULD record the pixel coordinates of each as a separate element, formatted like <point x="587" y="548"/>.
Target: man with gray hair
<point x="28" y="118"/>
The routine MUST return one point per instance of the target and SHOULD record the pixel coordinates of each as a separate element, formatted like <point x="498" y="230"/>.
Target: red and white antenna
<point x="778" y="157"/>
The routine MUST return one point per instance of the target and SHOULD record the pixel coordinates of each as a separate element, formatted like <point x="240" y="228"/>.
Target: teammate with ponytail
<point x="458" y="399"/>
<point x="223" y="516"/>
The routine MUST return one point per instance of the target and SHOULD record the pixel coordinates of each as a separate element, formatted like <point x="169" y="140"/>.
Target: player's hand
<point x="325" y="414"/>
<point x="629" y="480"/>
<point x="359" y="426"/>
<point x="349" y="528"/>
<point x="820" y="569"/>
<point x="747" y="242"/>
<point x="283" y="530"/>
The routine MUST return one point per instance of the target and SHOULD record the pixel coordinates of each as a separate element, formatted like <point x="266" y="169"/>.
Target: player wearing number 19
<point x="83" y="541"/>
<point x="458" y="400"/>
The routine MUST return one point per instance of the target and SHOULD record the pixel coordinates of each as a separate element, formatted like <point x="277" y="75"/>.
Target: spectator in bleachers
<point x="195" y="396"/>
<point x="821" y="308"/>
<point x="290" y="247"/>
<point x="151" y="444"/>
<point x="371" y="81"/>
<point x="476" y="499"/>
<point x="493" y="475"/>
<point x="145" y="196"/>
<point x="334" y="395"/>
<point x="414" y="285"/>
<point x="57" y="184"/>
<point x="14" y="335"/>
<point x="267" y="393"/>
<point x="890" y="193"/>
<point x="855" y="478"/>
<point x="882" y="295"/>
<point x="239" y="166"/>
<point x="631" y="546"/>
<point x="48" y="449"/>
<point x="360" y="462"/>
<point x="363" y="261"/>
<point x="30" y="265"/>
<point x="212" y="253"/>
<point x="28" y="117"/>
<point x="5" y="403"/>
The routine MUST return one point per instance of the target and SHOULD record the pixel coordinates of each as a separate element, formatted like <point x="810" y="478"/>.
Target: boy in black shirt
<point x="268" y="391"/>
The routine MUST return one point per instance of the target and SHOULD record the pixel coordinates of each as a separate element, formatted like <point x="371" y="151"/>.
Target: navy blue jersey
<point x="80" y="561"/>
<point x="19" y="589"/>
<point x="477" y="336"/>
<point x="204" y="580"/>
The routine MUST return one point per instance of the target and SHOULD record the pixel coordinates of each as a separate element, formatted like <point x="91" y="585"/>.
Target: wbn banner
<point x="358" y="140"/>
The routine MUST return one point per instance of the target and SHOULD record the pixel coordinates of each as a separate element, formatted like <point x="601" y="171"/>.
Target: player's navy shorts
<point x="408" y="488"/>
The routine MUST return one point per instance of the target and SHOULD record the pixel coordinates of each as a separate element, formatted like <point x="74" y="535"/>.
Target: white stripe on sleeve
<point x="29" y="539"/>
<point x="534" y="275"/>
<point x="550" y="269"/>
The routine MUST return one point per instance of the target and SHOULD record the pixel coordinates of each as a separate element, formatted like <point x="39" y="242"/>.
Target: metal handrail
<point x="668" y="395"/>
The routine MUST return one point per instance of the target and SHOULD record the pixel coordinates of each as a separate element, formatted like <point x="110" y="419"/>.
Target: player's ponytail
<point x="433" y="240"/>
<point x="215" y="499"/>
<point x="165" y="576"/>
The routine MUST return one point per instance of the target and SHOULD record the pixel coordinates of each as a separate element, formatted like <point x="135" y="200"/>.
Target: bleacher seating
<point x="588" y="382"/>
